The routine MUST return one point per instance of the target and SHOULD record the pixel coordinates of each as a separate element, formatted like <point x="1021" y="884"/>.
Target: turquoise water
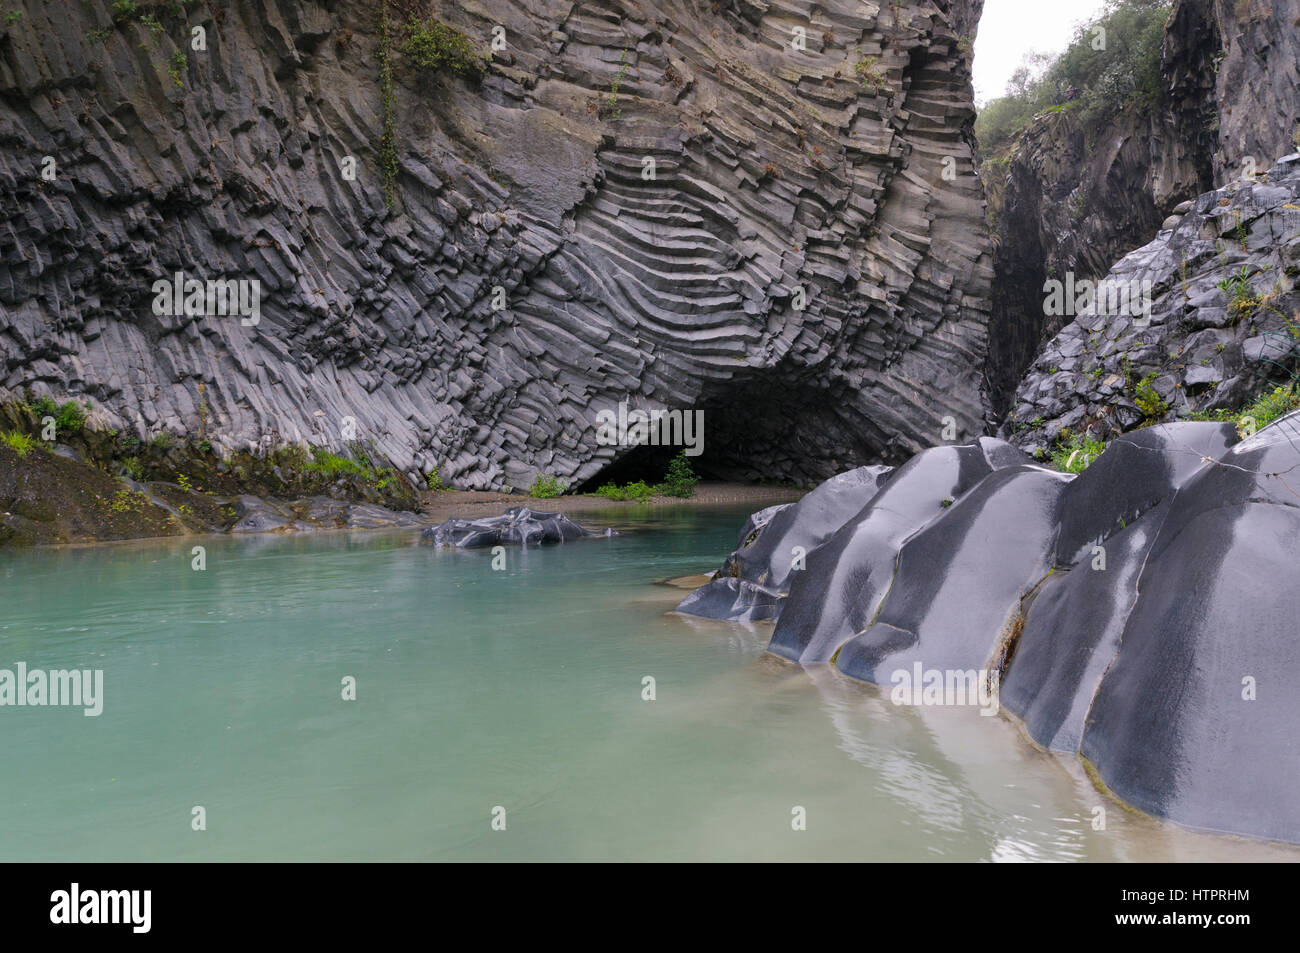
<point x="478" y="689"/>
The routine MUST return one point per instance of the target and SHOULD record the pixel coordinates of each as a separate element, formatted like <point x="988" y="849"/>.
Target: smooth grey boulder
<point x="518" y="526"/>
<point x="1197" y="718"/>
<point x="1138" y="471"/>
<point x="839" y="593"/>
<point x="1142" y="614"/>
<point x="1073" y="626"/>
<point x="957" y="588"/>
<point x="756" y="576"/>
<point x="732" y="599"/>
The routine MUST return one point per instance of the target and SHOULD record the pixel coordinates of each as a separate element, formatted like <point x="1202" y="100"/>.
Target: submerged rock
<point x="1141" y="614"/>
<point x="518" y="526"/>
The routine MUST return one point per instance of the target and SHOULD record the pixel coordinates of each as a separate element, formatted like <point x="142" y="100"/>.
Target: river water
<point x="519" y="689"/>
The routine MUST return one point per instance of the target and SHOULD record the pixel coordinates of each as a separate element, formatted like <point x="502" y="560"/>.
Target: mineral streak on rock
<point x="774" y="543"/>
<point x="1139" y="614"/>
<point x="776" y="171"/>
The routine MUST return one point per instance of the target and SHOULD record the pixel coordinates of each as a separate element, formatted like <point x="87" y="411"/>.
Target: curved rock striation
<point x="795" y="253"/>
<point x="1140" y="614"/>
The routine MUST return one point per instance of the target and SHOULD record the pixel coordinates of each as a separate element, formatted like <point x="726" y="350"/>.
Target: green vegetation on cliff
<point x="1112" y="65"/>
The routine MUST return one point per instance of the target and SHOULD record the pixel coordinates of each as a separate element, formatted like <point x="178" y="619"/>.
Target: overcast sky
<point x="1011" y="28"/>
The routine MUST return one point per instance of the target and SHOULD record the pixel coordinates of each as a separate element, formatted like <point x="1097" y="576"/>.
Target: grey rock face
<point x="779" y="173"/>
<point x="1067" y="201"/>
<point x="1138" y="614"/>
<point x="1076" y="621"/>
<point x="1204" y="350"/>
<point x="840" y="593"/>
<point x="756" y="576"/>
<point x="518" y="526"/>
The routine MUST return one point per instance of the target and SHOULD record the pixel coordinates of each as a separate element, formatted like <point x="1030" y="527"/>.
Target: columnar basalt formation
<point x="1139" y="614"/>
<point x="735" y="206"/>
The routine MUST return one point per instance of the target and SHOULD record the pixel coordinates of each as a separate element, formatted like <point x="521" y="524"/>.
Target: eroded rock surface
<point x="756" y="576"/>
<point x="776" y="169"/>
<point x="1141" y="614"/>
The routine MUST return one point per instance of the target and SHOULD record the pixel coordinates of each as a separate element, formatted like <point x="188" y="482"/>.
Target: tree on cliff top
<point x="1111" y="66"/>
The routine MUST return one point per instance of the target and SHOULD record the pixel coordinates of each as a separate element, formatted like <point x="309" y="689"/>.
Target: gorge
<point x="268" y="269"/>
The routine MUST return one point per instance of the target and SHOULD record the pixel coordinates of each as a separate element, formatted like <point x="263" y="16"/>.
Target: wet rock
<point x="839" y="594"/>
<point x="257" y="515"/>
<point x="776" y="539"/>
<point x="1141" y="614"/>
<point x="736" y="600"/>
<point x="518" y="526"/>
<point x="1196" y="718"/>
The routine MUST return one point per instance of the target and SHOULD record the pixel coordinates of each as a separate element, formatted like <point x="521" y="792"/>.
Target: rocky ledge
<point x="1139" y="614"/>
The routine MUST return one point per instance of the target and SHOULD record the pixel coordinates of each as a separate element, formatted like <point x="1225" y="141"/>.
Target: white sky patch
<point x="1011" y="28"/>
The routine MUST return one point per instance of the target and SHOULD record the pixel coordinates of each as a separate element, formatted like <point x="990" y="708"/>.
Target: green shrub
<point x="435" y="46"/>
<point x="873" y="75"/>
<point x="546" y="487"/>
<point x="680" y="479"/>
<point x="125" y="10"/>
<point x="640" y="491"/>
<point x="331" y="465"/>
<point x="1279" y="402"/>
<point x="133" y="468"/>
<point x="20" y="443"/>
<point x="1148" y="400"/>
<point x="1242" y="299"/>
<point x="162" y="440"/>
<point x="434" y="481"/>
<point x="1073" y="453"/>
<point x="1268" y="408"/>
<point x="1124" y="76"/>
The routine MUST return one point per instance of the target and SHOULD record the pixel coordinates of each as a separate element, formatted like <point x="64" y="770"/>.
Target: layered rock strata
<point x="731" y="206"/>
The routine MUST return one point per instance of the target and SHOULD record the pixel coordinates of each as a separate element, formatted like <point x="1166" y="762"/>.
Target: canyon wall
<point x="1070" y="199"/>
<point x="671" y="203"/>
